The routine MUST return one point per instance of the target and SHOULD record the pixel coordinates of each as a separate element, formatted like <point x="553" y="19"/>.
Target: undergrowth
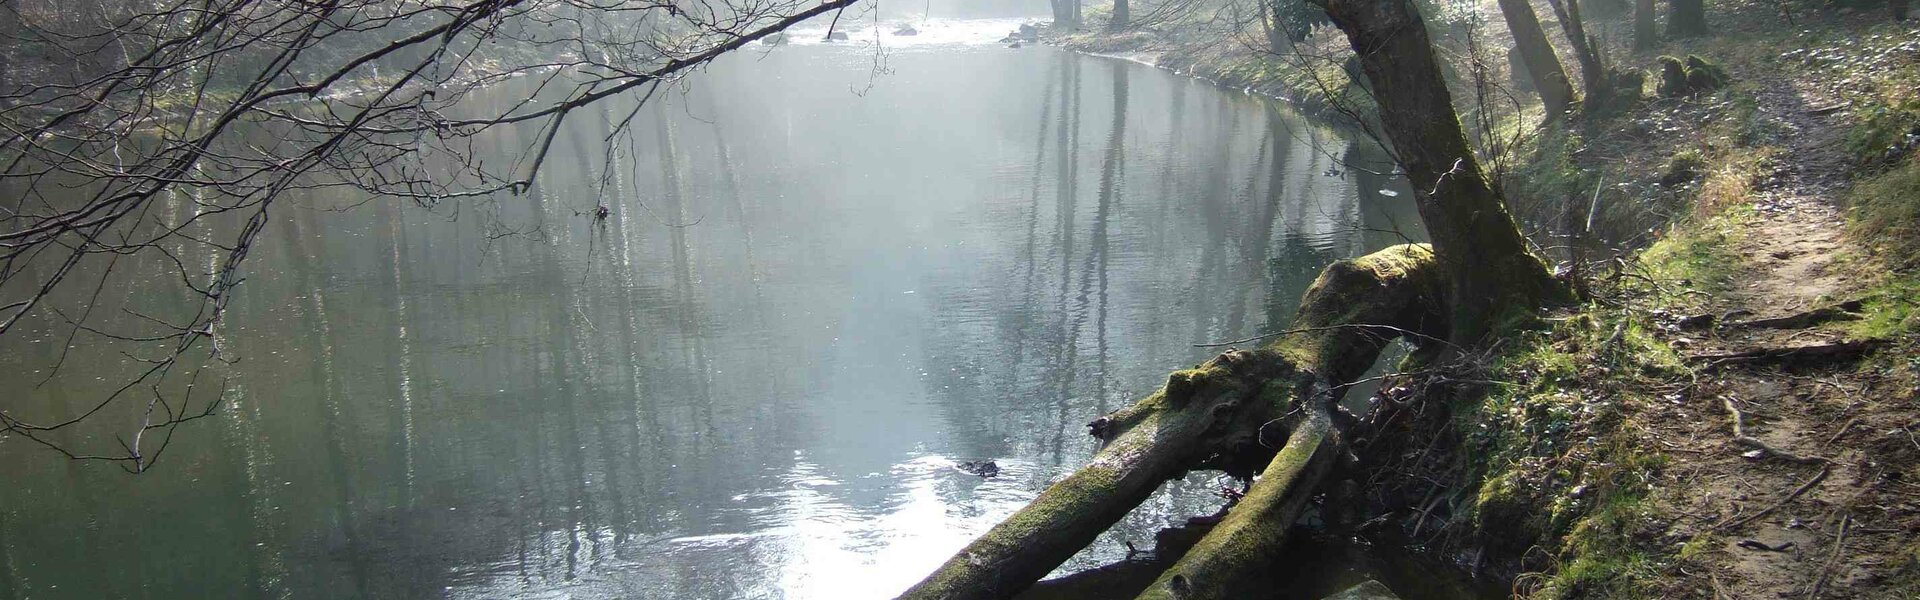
<point x="1565" y="476"/>
<point x="1886" y="216"/>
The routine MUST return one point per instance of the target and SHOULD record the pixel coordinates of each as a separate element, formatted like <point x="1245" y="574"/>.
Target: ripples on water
<point x="821" y="287"/>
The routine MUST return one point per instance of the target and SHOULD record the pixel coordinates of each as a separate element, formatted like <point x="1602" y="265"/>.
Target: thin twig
<point x="1839" y="546"/>
<point x="1817" y="478"/>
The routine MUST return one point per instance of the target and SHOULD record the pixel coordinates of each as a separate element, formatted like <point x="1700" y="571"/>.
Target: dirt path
<point x="1790" y="251"/>
<point x="1808" y="511"/>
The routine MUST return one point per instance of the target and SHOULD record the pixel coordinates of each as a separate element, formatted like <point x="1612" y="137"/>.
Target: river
<point x="827" y="276"/>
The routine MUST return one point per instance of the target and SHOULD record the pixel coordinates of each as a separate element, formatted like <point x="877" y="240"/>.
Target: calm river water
<point x="822" y="284"/>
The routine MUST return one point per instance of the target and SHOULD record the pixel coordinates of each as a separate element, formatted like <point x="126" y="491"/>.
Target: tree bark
<point x="1491" y="275"/>
<point x="1121" y="19"/>
<point x="1645" y="35"/>
<point x="1271" y="26"/>
<point x="1686" y="18"/>
<point x="1543" y="66"/>
<point x="1213" y="416"/>
<point x="1594" y="78"/>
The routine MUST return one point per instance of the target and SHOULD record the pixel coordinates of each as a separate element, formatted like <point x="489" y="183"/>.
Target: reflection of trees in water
<point x="9" y="564"/>
<point x="421" y="367"/>
<point x="1242" y="237"/>
<point x="323" y="373"/>
<point x="1257" y="210"/>
<point x="1060" y="370"/>
<point x="1112" y="171"/>
<point x="1208" y="278"/>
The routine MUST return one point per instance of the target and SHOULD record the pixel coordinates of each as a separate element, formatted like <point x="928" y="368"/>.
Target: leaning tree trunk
<point x="1686" y="18"/>
<point x="1543" y="66"/>
<point x="1644" y="34"/>
<point x="1593" y="67"/>
<point x="1226" y="413"/>
<point x="1120" y="19"/>
<point x="1491" y="275"/>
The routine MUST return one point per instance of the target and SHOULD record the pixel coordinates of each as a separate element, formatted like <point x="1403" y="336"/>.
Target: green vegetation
<point x="1563" y="470"/>
<point x="1694" y="259"/>
<point x="1886" y="216"/>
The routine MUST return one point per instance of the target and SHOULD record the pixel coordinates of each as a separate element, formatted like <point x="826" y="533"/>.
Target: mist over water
<point x="826" y="277"/>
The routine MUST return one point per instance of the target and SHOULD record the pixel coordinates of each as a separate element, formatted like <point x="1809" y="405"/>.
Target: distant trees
<point x="1542" y="65"/>
<point x="1645" y="34"/>
<point x="1686" y="18"/>
<point x="1066" y="14"/>
<point x="1284" y="22"/>
<point x="111" y="107"/>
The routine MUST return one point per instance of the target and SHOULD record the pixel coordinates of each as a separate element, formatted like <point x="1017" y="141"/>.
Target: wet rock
<point x="983" y="468"/>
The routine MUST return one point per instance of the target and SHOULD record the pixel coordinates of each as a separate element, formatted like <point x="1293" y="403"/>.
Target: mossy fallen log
<point x="1230" y="561"/>
<point x="1213" y="417"/>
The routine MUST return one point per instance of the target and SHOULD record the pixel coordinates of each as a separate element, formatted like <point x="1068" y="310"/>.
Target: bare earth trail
<point x="1806" y="500"/>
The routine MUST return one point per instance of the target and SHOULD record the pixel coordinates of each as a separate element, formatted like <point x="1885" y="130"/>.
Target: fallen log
<point x="1227" y="562"/>
<point x="1212" y="417"/>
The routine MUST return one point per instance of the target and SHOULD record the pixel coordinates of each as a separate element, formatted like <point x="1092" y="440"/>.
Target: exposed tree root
<point x="1740" y="437"/>
<point x="1212" y="417"/>
<point x="1845" y="311"/>
<point x="1790" y="356"/>
<point x="1733" y="522"/>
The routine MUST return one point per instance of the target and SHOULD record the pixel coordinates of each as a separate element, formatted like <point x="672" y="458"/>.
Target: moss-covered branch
<point x="1212" y="416"/>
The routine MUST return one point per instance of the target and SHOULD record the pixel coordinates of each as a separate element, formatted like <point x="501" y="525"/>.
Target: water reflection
<point x="751" y="379"/>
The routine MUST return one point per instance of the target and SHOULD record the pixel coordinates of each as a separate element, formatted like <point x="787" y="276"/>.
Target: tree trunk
<point x="1543" y="66"/>
<point x="1221" y="415"/>
<point x="1686" y="18"/>
<point x="1899" y="9"/>
<point x="1594" y="78"/>
<point x="1644" y="34"/>
<point x="1491" y="275"/>
<point x="1065" y="15"/>
<point x="1271" y="26"/>
<point x="1121" y="18"/>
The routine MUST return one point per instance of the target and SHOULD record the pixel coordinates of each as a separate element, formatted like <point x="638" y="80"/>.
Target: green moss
<point x="1691" y="76"/>
<point x="1699" y="545"/>
<point x="1684" y="167"/>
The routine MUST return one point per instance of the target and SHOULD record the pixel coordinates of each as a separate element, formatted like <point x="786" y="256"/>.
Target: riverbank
<point x="1315" y="86"/>
<point x="1732" y="412"/>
